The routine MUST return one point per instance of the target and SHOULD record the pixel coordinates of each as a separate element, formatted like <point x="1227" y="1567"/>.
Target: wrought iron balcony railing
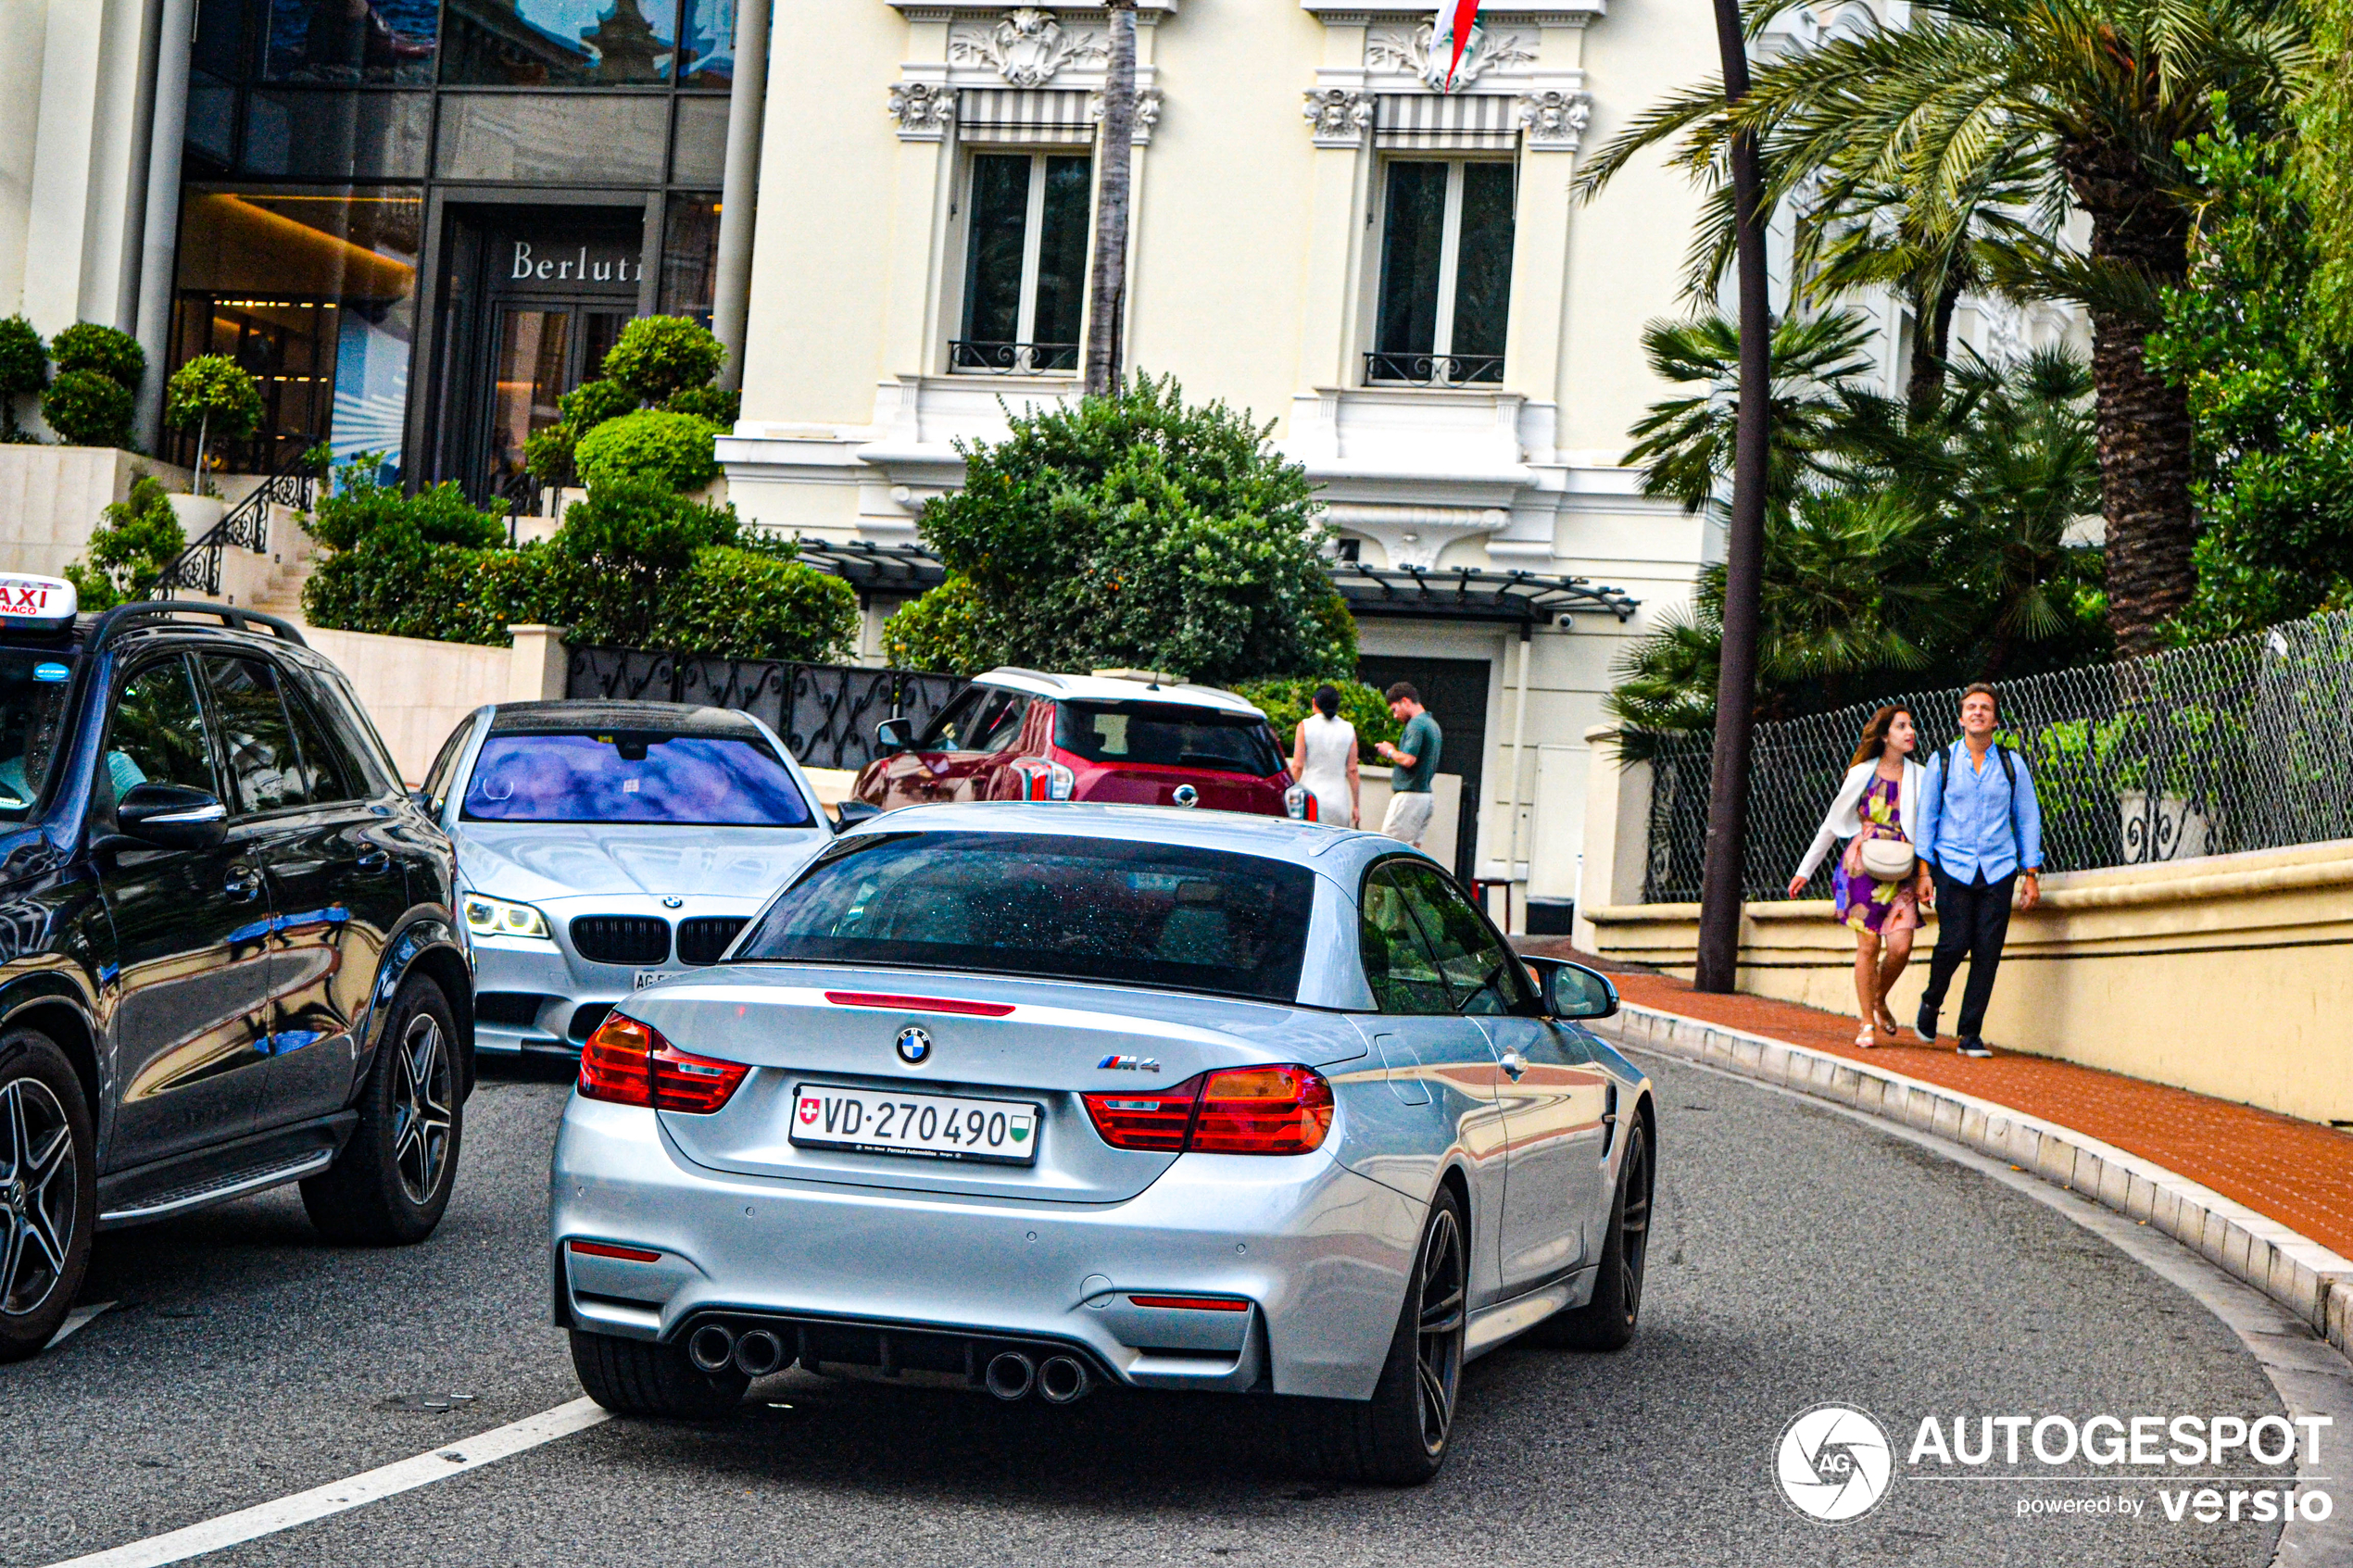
<point x="1433" y="369"/>
<point x="968" y="356"/>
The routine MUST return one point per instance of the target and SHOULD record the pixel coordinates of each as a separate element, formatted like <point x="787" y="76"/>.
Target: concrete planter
<point x="52" y="498"/>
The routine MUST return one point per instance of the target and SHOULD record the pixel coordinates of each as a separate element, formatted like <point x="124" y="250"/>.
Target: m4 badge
<point x="1127" y="1064"/>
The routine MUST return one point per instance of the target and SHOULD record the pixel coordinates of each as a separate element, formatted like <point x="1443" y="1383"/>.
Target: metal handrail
<point x="1383" y="368"/>
<point x="1011" y="358"/>
<point x="246" y="525"/>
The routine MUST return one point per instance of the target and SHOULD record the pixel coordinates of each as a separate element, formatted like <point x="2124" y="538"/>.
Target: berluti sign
<point x="571" y="266"/>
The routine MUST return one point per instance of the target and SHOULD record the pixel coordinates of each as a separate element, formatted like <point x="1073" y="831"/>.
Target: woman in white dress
<point x="1323" y="757"/>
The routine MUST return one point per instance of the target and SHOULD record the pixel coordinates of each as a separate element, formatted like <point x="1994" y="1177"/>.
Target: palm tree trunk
<point x="1932" y="344"/>
<point x="1107" y="282"/>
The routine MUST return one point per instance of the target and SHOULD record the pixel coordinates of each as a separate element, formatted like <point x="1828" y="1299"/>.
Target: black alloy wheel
<point x="48" y="1191"/>
<point x="1399" y="1436"/>
<point x="1607" y="1321"/>
<point x="392" y="1181"/>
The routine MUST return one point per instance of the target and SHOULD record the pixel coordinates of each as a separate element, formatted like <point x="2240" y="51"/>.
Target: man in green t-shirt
<point x="1414" y="762"/>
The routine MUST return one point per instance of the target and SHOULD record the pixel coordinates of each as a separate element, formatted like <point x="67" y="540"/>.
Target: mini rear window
<point x="1167" y="734"/>
<point x="1060" y="907"/>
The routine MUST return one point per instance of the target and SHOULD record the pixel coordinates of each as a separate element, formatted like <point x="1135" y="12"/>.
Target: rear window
<point x="632" y="776"/>
<point x="1063" y="908"/>
<point x="32" y="706"/>
<point x="1167" y="734"/>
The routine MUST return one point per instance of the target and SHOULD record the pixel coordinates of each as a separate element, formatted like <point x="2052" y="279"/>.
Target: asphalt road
<point x="1800" y="1258"/>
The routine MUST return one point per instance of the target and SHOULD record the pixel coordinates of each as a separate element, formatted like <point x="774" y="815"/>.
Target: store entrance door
<point x="554" y="297"/>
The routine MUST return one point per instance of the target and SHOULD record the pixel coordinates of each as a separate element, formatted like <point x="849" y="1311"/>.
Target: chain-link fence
<point x="2234" y="746"/>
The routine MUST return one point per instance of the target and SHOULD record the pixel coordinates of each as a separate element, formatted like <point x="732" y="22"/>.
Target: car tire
<point x="391" y="1183"/>
<point x="1399" y="1437"/>
<point x="48" y="1191"/>
<point x="1607" y="1321"/>
<point x="641" y="1378"/>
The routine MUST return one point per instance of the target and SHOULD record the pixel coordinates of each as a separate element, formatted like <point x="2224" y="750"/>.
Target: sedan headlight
<point x="487" y="916"/>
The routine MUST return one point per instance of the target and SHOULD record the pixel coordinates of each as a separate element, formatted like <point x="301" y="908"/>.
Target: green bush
<point x="88" y="409"/>
<point x="661" y="355"/>
<point x="946" y="629"/>
<point x="747" y="604"/>
<point x="591" y="403"/>
<point x="130" y="549"/>
<point x="718" y="405"/>
<point x="359" y="507"/>
<point x="1132" y="530"/>
<point x="115" y="355"/>
<point x="24" y="369"/>
<point x="676" y="450"/>
<point x="213" y="394"/>
<point x="620" y="550"/>
<point x="1287" y="702"/>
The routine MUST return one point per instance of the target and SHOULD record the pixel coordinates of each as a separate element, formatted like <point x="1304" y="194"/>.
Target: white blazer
<point x="1845" y="821"/>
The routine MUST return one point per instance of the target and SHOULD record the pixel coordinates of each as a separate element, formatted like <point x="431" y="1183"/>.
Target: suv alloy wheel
<point x="48" y="1191"/>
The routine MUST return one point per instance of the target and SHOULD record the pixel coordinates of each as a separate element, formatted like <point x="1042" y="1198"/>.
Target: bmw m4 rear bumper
<point x="1316" y="1256"/>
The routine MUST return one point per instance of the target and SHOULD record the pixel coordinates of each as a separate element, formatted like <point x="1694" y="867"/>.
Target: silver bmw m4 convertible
<point x="1039" y="1098"/>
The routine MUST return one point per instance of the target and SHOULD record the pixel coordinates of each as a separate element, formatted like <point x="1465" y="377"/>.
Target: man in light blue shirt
<point x="1981" y="832"/>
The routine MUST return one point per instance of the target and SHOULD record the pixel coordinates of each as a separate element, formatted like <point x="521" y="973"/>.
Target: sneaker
<point x="1925" y="1027"/>
<point x="1973" y="1045"/>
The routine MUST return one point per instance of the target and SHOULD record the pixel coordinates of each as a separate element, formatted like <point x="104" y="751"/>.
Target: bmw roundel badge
<point x="914" y="1046"/>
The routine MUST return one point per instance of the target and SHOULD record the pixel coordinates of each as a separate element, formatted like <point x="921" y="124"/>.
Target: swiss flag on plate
<point x="808" y="1109"/>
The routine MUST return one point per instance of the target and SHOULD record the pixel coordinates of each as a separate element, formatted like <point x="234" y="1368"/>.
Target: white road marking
<point x="74" y="1322"/>
<point x="269" y="1518"/>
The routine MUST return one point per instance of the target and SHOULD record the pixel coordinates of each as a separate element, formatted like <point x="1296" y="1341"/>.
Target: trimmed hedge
<point x="673" y="449"/>
<point x="1288" y="702"/>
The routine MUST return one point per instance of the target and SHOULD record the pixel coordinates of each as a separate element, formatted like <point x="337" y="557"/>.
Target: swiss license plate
<point x="928" y="1126"/>
<point x="648" y="976"/>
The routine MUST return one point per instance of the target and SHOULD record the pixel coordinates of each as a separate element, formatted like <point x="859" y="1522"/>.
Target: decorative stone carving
<point x="1555" y="121"/>
<point x="1147" y="112"/>
<point x="1425" y="51"/>
<point x="1338" y="117"/>
<point x="923" y="111"/>
<point x="1029" y="47"/>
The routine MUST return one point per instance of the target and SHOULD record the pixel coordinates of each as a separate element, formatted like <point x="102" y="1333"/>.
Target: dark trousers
<point x="1972" y="919"/>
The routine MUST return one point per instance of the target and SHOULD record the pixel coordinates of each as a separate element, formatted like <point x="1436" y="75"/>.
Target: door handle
<point x="1515" y="1064"/>
<point x="243" y="884"/>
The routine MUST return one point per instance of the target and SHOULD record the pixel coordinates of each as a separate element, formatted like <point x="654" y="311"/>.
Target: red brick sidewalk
<point x="2297" y="1173"/>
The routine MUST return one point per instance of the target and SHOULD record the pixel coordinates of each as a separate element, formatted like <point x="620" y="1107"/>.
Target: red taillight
<point x="629" y="1064"/>
<point x="606" y="1249"/>
<point x="1239" y="1110"/>
<point x="917" y="1004"/>
<point x="1188" y="1303"/>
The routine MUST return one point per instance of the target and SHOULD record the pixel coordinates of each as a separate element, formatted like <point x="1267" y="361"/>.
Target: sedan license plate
<point x="648" y="976"/>
<point x="929" y="1126"/>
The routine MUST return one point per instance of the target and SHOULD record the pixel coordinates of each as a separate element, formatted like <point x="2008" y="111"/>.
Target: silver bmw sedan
<point x="603" y="845"/>
<point x="1040" y="1097"/>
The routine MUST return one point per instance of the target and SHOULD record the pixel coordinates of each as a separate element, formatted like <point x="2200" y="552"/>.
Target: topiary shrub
<point x="721" y="406"/>
<point x="24" y="369"/>
<point x="88" y="409"/>
<point x="676" y="450"/>
<point x="115" y="355"/>
<point x="754" y="604"/>
<point x="946" y="629"/>
<point x="659" y="356"/>
<point x="620" y="550"/>
<point x="1287" y="702"/>
<point x="213" y="393"/>
<point x="130" y="549"/>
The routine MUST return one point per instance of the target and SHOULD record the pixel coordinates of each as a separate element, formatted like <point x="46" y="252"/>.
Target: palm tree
<point x="1107" y="282"/>
<point x="2075" y="101"/>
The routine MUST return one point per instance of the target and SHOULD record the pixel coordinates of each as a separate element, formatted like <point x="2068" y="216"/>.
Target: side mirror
<point x="849" y="813"/>
<point x="1572" y="991"/>
<point x="894" y="736"/>
<point x="169" y="817"/>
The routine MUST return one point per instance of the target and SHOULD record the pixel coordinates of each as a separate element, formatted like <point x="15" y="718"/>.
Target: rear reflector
<point x="604" y="1249"/>
<point x="1239" y="1110"/>
<point x="629" y="1064"/>
<point x="1192" y="1303"/>
<point x="917" y="1004"/>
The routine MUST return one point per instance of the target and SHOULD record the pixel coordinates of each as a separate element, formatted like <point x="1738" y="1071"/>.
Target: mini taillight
<point x="629" y="1064"/>
<point x="1299" y="802"/>
<point x="1239" y="1110"/>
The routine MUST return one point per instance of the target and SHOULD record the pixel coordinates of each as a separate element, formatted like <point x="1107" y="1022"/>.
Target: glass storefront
<point x="353" y="168"/>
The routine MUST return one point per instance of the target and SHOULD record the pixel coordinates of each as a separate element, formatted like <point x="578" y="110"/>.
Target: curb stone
<point x="2299" y="1273"/>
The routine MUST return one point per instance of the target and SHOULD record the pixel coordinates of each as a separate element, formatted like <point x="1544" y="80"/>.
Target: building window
<point x="559" y="43"/>
<point x="1025" y="263"/>
<point x="1445" y="276"/>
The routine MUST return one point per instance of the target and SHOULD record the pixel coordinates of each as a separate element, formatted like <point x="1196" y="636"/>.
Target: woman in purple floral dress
<point x="1878" y="799"/>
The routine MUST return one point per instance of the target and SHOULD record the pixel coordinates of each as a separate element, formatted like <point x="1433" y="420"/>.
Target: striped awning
<point x="1446" y="121"/>
<point x="1053" y="116"/>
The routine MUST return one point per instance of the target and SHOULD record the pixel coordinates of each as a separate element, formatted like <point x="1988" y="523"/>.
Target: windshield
<point x="1068" y="908"/>
<point x="32" y="705"/>
<point x="632" y="776"/>
<point x="1167" y="734"/>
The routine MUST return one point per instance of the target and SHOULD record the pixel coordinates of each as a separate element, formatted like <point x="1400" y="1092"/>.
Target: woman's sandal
<point x="1864" y="1041"/>
<point x="1887" y="1024"/>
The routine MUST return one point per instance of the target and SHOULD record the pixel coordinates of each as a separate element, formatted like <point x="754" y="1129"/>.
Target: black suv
<point x="228" y="959"/>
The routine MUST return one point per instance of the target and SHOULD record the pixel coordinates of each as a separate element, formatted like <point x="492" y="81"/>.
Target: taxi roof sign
<point x="36" y="604"/>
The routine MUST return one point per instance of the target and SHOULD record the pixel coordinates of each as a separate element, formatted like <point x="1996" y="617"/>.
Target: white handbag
<point x="1888" y="859"/>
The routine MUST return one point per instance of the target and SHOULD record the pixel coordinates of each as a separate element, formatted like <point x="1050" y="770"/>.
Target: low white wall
<point x="415" y="690"/>
<point x="51" y="498"/>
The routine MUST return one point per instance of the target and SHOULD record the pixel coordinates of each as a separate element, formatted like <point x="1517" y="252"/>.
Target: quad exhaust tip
<point x="1064" y="1380"/>
<point x="711" y="1347"/>
<point x="759" y="1353"/>
<point x="1011" y="1375"/>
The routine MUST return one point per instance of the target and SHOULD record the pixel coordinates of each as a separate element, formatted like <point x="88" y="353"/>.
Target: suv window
<point x="327" y="769"/>
<point x="32" y="697"/>
<point x="1397" y="962"/>
<point x="1004" y="721"/>
<point x="265" y="762"/>
<point x="1483" y="974"/>
<point x="157" y="732"/>
<point x="367" y="762"/>
<point x="1167" y="734"/>
<point x="444" y="766"/>
<point x="962" y="720"/>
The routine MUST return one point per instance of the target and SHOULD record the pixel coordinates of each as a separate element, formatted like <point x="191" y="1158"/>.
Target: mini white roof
<point x="1116" y="688"/>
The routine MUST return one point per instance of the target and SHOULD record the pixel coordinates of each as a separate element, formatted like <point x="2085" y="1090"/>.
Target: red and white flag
<point x="1465" y="17"/>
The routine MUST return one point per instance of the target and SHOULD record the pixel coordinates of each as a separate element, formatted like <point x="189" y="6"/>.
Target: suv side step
<point x="282" y="1155"/>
